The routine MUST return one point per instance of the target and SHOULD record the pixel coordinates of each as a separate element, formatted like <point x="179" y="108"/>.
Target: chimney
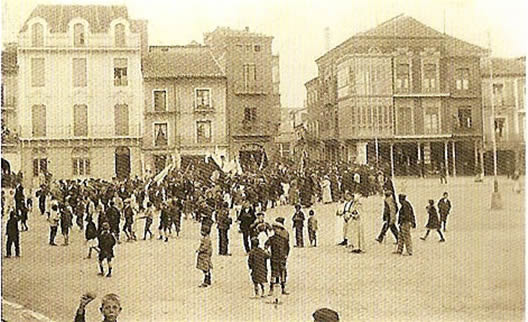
<point x="327" y="39"/>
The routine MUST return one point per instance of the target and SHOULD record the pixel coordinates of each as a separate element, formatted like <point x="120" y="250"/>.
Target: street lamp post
<point x="496" y="200"/>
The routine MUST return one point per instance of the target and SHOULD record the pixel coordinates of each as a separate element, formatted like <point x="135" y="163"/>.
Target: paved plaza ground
<point x="477" y="275"/>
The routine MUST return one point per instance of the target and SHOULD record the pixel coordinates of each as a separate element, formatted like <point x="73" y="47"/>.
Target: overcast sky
<point x="298" y="26"/>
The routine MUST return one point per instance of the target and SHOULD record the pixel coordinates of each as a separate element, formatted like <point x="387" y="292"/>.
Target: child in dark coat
<point x="312" y="228"/>
<point x="258" y="265"/>
<point x="433" y="222"/>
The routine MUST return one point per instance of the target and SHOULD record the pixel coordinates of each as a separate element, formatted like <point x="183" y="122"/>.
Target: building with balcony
<point x="185" y="105"/>
<point x="508" y="86"/>
<point x="287" y="139"/>
<point x="252" y="91"/>
<point x="401" y="95"/>
<point x="10" y="128"/>
<point x="80" y="92"/>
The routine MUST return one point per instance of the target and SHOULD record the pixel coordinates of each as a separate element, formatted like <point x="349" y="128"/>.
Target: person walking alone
<point x="298" y="225"/>
<point x="406" y="220"/>
<point x="13" y="234"/>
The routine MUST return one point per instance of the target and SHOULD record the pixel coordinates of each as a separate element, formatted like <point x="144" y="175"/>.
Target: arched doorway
<point x="122" y="162"/>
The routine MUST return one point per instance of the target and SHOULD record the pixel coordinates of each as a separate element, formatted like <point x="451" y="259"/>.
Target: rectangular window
<point x="38" y="120"/>
<point x="160" y="100"/>
<point x="500" y="127"/>
<point x="464" y="118"/>
<point x="40" y="165"/>
<point x="431" y="121"/>
<point x="161" y="135"/>
<point x="38" y="72"/>
<point x="429" y="76"/>
<point x="498" y="90"/>
<point x="405" y="120"/>
<point x="79" y="72"/>
<point x="250" y="114"/>
<point x="462" y="78"/>
<point x="120" y="72"/>
<point x="402" y="76"/>
<point x="81" y="166"/>
<point x="202" y="98"/>
<point x="249" y="76"/>
<point x="203" y="132"/>
<point x="80" y="120"/>
<point x="121" y="119"/>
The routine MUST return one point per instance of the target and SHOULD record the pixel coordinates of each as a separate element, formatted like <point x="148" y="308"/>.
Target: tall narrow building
<point x="253" y="100"/>
<point x="80" y="89"/>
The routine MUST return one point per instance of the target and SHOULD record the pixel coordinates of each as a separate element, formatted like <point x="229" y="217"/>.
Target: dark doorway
<point x="250" y="159"/>
<point x="122" y="162"/>
<point x="160" y="162"/>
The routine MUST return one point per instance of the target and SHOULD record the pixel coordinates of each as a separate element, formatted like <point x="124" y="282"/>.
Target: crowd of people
<point x="105" y="211"/>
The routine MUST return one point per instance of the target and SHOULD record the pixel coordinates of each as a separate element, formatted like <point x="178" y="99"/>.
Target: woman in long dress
<point x="327" y="192"/>
<point x="355" y="234"/>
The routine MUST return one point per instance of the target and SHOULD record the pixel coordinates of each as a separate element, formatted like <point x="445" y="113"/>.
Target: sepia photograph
<point x="244" y="160"/>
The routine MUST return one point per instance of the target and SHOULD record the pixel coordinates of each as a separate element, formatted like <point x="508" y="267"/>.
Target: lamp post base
<point x="496" y="200"/>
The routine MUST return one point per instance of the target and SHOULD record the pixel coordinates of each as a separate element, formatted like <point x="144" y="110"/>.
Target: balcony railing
<point x="95" y="131"/>
<point x="250" y="88"/>
<point x="249" y="128"/>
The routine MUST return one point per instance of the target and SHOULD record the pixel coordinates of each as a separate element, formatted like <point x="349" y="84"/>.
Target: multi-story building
<point x="252" y="93"/>
<point x="185" y="105"/>
<point x="10" y="142"/>
<point x="80" y="91"/>
<point x="508" y="84"/>
<point x="290" y="119"/>
<point x="401" y="95"/>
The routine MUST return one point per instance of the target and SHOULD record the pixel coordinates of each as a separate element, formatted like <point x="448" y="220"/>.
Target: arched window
<point x="119" y="35"/>
<point x="37" y="35"/>
<point x="79" y="35"/>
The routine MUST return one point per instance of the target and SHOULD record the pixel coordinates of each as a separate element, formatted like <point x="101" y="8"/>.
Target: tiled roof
<point x="504" y="67"/>
<point x="9" y="61"/>
<point x="405" y="27"/>
<point x="181" y="62"/>
<point x="99" y="17"/>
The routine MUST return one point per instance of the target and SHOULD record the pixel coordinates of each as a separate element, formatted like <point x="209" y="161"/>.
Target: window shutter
<point x="74" y="167"/>
<point x="35" y="167"/>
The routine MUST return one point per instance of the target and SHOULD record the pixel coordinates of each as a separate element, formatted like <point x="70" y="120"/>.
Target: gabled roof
<point x="9" y="62"/>
<point x="504" y="67"/>
<point x="99" y="17"/>
<point x="184" y="62"/>
<point x="405" y="27"/>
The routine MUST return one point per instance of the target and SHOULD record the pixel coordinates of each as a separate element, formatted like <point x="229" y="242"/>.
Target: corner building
<point x="401" y="95"/>
<point x="253" y="101"/>
<point x="81" y="94"/>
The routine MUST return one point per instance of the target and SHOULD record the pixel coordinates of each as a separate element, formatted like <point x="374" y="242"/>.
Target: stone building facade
<point x="185" y="106"/>
<point x="80" y="92"/>
<point x="252" y="92"/>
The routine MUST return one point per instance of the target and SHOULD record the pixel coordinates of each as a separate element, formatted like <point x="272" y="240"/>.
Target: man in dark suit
<point x="12" y="233"/>
<point x="246" y="218"/>
<point x="19" y="199"/>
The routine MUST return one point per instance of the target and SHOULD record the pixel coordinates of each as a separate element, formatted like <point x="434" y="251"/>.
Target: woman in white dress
<point x="343" y="215"/>
<point x="327" y="192"/>
<point x="355" y="235"/>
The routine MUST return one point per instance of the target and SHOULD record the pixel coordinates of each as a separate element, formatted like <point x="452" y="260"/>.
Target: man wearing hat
<point x="406" y="220"/>
<point x="279" y="246"/>
<point x="389" y="217"/>
<point x="325" y="315"/>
